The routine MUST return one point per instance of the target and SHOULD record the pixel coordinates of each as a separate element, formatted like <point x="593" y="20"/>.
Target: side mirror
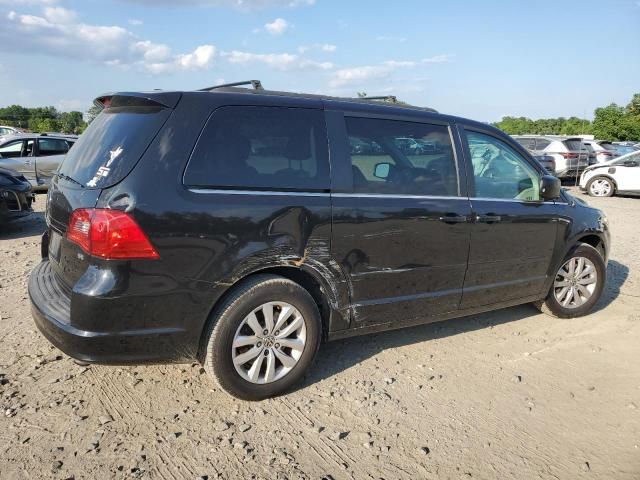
<point x="549" y="187"/>
<point x="631" y="163"/>
<point x="382" y="170"/>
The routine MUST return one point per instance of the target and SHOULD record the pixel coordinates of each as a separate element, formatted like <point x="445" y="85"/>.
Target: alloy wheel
<point x="575" y="282"/>
<point x="269" y="342"/>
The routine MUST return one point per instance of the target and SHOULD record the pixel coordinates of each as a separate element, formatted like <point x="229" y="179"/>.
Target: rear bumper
<point x="51" y="309"/>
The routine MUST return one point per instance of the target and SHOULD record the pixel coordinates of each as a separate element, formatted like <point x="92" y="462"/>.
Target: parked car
<point x="7" y="131"/>
<point x="570" y="154"/>
<point x="35" y="156"/>
<point x="548" y="162"/>
<point x="623" y="148"/>
<point x="170" y="238"/>
<point x="618" y="176"/>
<point x="15" y="196"/>
<point x="600" y="151"/>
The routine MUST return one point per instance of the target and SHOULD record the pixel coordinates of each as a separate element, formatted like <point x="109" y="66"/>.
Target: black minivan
<point x="242" y="227"/>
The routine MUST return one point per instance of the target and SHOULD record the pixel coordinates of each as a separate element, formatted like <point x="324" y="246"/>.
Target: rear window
<point x="574" y="144"/>
<point x="114" y="142"/>
<point x="274" y="148"/>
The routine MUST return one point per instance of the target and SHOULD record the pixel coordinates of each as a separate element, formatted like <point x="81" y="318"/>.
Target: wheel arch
<point x="302" y="276"/>
<point x="603" y="175"/>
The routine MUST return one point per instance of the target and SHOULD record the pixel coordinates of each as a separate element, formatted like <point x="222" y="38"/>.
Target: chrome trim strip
<point x="258" y="192"/>
<point x="376" y="195"/>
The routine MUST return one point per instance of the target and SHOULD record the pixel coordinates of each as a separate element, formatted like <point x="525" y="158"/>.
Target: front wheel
<point x="578" y="284"/>
<point x="600" y="187"/>
<point x="264" y="338"/>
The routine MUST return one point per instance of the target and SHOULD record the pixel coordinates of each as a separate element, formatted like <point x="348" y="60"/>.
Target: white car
<point x="620" y="175"/>
<point x="601" y="151"/>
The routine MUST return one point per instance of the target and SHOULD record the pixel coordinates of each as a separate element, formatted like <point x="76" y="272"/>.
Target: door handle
<point x="490" y="218"/>
<point x="453" y="218"/>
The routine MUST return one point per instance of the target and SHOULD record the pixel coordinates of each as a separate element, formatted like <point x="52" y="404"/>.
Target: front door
<point x="514" y="232"/>
<point x="400" y="218"/>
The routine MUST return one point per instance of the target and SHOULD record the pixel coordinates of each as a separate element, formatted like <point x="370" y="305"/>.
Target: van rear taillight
<point x="109" y="234"/>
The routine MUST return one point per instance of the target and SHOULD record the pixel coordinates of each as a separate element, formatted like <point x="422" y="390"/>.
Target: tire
<point x="601" y="187"/>
<point x="551" y="305"/>
<point x="231" y="322"/>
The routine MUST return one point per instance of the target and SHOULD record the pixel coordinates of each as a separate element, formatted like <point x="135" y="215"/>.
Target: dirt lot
<point x="510" y="394"/>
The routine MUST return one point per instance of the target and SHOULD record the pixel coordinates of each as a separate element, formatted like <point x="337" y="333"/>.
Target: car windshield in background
<point x="112" y="145"/>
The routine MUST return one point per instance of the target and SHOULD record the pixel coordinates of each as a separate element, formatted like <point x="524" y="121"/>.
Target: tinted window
<point x="114" y="142"/>
<point x="574" y="144"/>
<point x="541" y="143"/>
<point x="528" y="143"/>
<point x="261" y="147"/>
<point x="11" y="149"/>
<point x="499" y="171"/>
<point x="401" y="158"/>
<point x="52" y="146"/>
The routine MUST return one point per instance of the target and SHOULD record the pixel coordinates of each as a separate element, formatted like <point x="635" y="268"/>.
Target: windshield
<point x="114" y="142"/>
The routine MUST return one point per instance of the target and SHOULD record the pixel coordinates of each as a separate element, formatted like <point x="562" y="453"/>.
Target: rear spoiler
<point x="163" y="99"/>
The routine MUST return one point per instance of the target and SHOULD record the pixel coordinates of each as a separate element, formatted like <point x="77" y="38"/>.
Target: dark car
<point x="548" y="162"/>
<point x="15" y="196"/>
<point x="239" y="227"/>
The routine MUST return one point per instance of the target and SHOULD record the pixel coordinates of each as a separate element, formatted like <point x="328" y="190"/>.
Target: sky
<point x="477" y="59"/>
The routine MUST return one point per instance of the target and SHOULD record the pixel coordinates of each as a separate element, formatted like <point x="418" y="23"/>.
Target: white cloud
<point x="245" y="5"/>
<point x="135" y="22"/>
<point x="277" y="27"/>
<point x="323" y="47"/>
<point x="16" y="3"/>
<point x="59" y="15"/>
<point x="391" y="38"/>
<point x="59" y="33"/>
<point x="278" y="61"/>
<point x="361" y="75"/>
<point x="437" y="59"/>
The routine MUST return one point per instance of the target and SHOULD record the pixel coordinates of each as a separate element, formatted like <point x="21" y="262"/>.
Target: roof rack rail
<point x="384" y="98"/>
<point x="256" y="84"/>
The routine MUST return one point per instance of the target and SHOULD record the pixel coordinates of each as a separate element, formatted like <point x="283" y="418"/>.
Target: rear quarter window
<point x="274" y="148"/>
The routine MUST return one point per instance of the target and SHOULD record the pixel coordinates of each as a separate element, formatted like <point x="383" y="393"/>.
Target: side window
<point x="406" y="158"/>
<point x="541" y="143"/>
<point x="528" y="143"/>
<point x="11" y="149"/>
<point x="52" y="146"/>
<point x="261" y="147"/>
<point x="499" y="171"/>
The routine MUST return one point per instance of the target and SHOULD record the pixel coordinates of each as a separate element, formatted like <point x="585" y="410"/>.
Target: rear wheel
<point x="578" y="284"/>
<point x="265" y="336"/>
<point x="601" y="187"/>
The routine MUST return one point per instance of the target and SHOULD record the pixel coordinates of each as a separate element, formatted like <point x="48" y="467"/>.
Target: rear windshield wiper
<point x="67" y="177"/>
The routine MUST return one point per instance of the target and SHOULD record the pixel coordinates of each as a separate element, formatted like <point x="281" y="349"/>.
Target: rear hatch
<point x="578" y="154"/>
<point x="104" y="155"/>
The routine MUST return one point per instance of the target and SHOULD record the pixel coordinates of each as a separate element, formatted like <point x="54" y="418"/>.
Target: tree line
<point x="613" y="122"/>
<point x="42" y="119"/>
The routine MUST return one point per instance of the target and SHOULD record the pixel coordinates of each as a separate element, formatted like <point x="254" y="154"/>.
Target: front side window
<point x="405" y="158"/>
<point x="261" y="147"/>
<point x="499" y="171"/>
<point x="11" y="149"/>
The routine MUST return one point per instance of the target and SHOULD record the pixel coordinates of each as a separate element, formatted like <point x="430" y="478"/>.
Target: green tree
<point x="608" y="122"/>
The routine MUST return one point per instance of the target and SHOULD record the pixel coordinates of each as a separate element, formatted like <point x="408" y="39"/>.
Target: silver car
<point x="36" y="157"/>
<point x="570" y="154"/>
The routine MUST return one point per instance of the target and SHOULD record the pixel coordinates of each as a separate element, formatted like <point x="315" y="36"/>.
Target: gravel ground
<point x="509" y="394"/>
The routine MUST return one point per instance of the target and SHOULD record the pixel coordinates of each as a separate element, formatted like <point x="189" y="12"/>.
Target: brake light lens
<point x="569" y="155"/>
<point x="109" y="234"/>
